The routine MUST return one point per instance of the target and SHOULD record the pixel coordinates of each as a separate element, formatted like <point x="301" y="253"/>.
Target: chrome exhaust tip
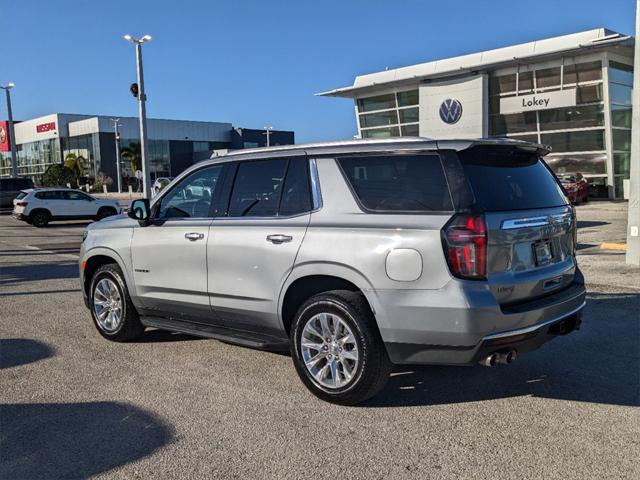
<point x="489" y="360"/>
<point x="506" y="358"/>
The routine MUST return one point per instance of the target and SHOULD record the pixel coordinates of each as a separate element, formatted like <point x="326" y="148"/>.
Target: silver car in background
<point x="352" y="255"/>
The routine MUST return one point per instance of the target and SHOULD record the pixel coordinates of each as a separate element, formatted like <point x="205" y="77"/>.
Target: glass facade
<point x="82" y="147"/>
<point x="576" y="134"/>
<point x="33" y="159"/>
<point x="389" y="115"/>
<point x="620" y="86"/>
<point x="130" y="159"/>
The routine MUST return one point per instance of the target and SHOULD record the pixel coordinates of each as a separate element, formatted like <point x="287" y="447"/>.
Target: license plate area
<point x="542" y="252"/>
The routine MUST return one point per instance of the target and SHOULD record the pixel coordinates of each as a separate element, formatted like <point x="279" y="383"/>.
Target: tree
<point x="57" y="176"/>
<point x="133" y="153"/>
<point x="75" y="163"/>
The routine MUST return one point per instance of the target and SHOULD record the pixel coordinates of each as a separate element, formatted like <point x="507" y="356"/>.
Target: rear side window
<point x="50" y="195"/>
<point x="257" y="188"/>
<point x="296" y="195"/>
<point x="398" y="183"/>
<point x="505" y="178"/>
<point x="22" y="183"/>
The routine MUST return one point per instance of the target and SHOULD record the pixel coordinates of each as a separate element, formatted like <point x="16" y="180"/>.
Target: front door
<point x="170" y="255"/>
<point x="252" y="251"/>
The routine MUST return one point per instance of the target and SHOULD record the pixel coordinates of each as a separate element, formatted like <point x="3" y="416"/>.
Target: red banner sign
<point x="45" y="127"/>
<point x="4" y="136"/>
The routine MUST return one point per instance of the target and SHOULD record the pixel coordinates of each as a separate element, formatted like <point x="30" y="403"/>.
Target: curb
<point x="613" y="246"/>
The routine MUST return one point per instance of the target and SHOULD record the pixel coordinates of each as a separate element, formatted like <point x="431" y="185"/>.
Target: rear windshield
<point x="510" y="179"/>
<point x="21" y="195"/>
<point x="398" y="183"/>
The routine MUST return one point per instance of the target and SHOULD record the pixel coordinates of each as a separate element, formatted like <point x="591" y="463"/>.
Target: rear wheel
<point x="113" y="314"/>
<point x="337" y="349"/>
<point x="39" y="218"/>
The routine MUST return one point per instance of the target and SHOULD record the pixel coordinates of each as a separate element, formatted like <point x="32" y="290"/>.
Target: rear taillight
<point x="465" y="246"/>
<point x="21" y="204"/>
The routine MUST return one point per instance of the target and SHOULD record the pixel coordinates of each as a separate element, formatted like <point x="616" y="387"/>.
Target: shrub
<point x="57" y="176"/>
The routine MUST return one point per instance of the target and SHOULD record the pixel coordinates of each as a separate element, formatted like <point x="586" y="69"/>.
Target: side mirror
<point x="140" y="210"/>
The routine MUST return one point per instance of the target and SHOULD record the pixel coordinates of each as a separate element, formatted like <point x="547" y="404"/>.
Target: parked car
<point x="159" y="184"/>
<point x="9" y="189"/>
<point x="576" y="186"/>
<point x="352" y="255"/>
<point x="42" y="205"/>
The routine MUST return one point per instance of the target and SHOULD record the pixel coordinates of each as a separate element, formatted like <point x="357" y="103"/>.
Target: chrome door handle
<point x="193" y="236"/>
<point x="278" y="239"/>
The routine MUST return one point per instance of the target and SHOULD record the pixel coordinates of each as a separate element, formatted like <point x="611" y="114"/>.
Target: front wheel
<point x="113" y="314"/>
<point x="337" y="349"/>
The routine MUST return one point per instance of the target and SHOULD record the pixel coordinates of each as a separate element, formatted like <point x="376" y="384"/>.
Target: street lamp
<point x="12" y="134"/>
<point x="142" y="112"/>
<point x="117" y="137"/>
<point x="268" y="133"/>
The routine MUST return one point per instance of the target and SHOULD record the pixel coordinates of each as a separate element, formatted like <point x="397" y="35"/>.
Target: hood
<point x="115" y="221"/>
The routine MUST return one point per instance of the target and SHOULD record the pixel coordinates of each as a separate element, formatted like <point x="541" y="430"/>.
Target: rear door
<point x="252" y="251"/>
<point x="530" y="224"/>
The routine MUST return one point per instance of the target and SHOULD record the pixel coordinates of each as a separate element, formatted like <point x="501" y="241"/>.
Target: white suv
<point x="40" y="206"/>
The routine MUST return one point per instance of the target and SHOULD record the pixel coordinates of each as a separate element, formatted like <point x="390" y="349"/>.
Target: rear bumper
<point x="20" y="216"/>
<point x="467" y="328"/>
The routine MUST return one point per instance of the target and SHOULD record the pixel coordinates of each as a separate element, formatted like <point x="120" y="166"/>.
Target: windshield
<point x="505" y="178"/>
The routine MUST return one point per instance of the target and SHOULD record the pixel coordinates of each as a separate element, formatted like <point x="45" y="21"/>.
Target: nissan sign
<point x="45" y="127"/>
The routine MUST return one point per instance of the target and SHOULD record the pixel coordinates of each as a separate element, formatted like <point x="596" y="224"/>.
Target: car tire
<point x="39" y="218"/>
<point x="105" y="212"/>
<point x="121" y="322"/>
<point x="337" y="377"/>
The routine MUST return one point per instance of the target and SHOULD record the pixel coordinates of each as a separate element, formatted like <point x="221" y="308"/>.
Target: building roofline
<point x="494" y="58"/>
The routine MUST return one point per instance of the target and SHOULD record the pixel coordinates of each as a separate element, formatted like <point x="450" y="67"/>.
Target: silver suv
<point x="353" y="255"/>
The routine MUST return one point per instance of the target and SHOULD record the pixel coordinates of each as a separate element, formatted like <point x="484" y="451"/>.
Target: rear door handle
<point x="278" y="238"/>
<point x="193" y="236"/>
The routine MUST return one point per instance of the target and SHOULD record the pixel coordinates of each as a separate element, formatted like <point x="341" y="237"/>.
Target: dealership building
<point x="172" y="145"/>
<point x="571" y="92"/>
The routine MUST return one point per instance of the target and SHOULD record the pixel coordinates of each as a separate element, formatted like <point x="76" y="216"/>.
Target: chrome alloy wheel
<point x="329" y="350"/>
<point x="107" y="305"/>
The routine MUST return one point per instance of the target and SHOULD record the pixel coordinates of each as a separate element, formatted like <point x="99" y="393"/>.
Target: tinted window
<point x="21" y="195"/>
<point x="510" y="179"/>
<point x="257" y="188"/>
<point x="71" y="195"/>
<point x="398" y="183"/>
<point x="192" y="196"/>
<point x="296" y="197"/>
<point x="22" y="183"/>
<point x="50" y="195"/>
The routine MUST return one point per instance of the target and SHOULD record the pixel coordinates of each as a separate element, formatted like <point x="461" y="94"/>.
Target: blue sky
<point x="255" y="63"/>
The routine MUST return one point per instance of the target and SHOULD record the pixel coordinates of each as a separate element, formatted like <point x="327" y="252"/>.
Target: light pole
<point x="633" y="223"/>
<point x="12" y="134"/>
<point x="117" y="135"/>
<point x="268" y="134"/>
<point x="146" y="174"/>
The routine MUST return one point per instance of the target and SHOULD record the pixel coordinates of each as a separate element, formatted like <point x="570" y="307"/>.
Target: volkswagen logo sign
<point x="450" y="111"/>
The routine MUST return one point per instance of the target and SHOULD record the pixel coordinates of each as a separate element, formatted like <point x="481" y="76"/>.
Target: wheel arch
<point x="97" y="257"/>
<point x="311" y="279"/>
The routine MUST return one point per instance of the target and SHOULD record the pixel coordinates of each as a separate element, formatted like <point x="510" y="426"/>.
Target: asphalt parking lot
<point x="73" y="405"/>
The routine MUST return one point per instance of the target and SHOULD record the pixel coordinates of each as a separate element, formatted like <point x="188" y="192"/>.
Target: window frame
<point x="434" y="153"/>
<point x="233" y="172"/>
<point x="215" y="199"/>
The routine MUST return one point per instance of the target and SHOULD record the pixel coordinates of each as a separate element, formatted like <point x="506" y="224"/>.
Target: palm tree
<point x="75" y="163"/>
<point x="133" y="153"/>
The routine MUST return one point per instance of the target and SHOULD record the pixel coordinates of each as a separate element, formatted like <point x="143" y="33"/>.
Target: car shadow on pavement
<point x="589" y="223"/>
<point x="598" y="364"/>
<point x="76" y="440"/>
<point x="28" y="272"/>
<point x="21" y="351"/>
<point x="162" y="336"/>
